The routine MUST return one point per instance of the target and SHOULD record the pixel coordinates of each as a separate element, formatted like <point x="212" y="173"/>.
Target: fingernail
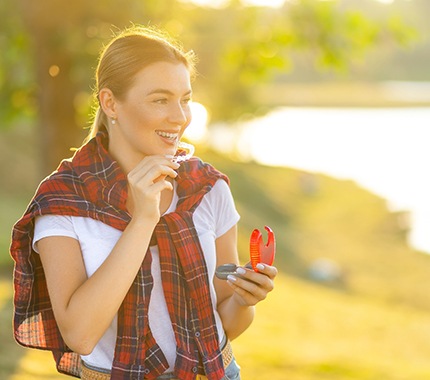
<point x="260" y="266"/>
<point x="240" y="271"/>
<point x="231" y="278"/>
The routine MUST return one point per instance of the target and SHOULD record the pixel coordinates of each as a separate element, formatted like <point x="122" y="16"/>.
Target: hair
<point x="125" y="56"/>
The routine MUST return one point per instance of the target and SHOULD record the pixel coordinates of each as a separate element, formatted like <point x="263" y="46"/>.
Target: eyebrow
<point x="167" y="92"/>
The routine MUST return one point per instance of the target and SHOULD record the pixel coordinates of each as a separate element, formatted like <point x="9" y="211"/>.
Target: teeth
<point x="167" y="135"/>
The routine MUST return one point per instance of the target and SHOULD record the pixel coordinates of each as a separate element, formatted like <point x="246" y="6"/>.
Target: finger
<point x="257" y="290"/>
<point x="242" y="296"/>
<point x="149" y="162"/>
<point x="144" y="167"/>
<point x="268" y="270"/>
<point x="260" y="278"/>
<point x="151" y="174"/>
<point x="156" y="159"/>
<point x="159" y="186"/>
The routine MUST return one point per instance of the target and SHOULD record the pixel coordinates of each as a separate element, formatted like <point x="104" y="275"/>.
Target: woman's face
<point x="154" y="114"/>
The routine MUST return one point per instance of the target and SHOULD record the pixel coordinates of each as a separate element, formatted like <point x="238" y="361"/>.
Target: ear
<point x="107" y="102"/>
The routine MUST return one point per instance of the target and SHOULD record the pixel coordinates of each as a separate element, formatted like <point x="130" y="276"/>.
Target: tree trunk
<point x="57" y="129"/>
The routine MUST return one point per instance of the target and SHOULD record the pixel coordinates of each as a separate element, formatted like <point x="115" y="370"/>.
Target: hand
<point x="252" y="287"/>
<point x="146" y="183"/>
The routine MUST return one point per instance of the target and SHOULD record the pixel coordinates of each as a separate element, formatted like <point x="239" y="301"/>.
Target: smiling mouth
<point x="167" y="135"/>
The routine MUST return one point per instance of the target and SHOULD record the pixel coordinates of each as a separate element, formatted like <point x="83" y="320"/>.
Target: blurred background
<point x="319" y="111"/>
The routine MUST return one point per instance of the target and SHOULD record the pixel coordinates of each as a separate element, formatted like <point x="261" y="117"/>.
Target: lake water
<point x="386" y="150"/>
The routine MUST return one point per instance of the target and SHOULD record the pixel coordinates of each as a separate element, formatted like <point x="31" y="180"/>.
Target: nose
<point x="180" y="114"/>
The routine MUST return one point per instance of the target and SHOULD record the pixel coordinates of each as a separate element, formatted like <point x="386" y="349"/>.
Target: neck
<point x="126" y="159"/>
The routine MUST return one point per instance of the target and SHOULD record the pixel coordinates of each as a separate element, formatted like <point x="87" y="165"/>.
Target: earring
<point x="113" y="121"/>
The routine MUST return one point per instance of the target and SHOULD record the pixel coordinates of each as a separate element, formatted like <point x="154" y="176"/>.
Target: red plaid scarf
<point x="91" y="184"/>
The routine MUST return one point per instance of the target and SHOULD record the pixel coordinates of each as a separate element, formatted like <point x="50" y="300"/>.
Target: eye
<point x="160" y="101"/>
<point x="186" y="101"/>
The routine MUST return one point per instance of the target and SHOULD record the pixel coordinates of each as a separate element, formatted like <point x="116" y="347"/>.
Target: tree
<point x="65" y="38"/>
<point x="238" y="47"/>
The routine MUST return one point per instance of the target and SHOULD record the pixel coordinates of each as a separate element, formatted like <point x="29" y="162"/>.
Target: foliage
<point x="17" y="82"/>
<point x="255" y="44"/>
<point x="239" y="46"/>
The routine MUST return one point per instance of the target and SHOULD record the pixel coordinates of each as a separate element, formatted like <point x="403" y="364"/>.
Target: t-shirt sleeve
<point x="225" y="213"/>
<point x="52" y="225"/>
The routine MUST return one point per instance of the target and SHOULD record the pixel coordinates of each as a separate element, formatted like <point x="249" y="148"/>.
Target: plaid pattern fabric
<point x="91" y="184"/>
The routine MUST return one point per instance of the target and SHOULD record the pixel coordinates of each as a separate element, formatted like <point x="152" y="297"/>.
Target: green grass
<point x="304" y="331"/>
<point x="372" y="326"/>
<point x="316" y="216"/>
<point x="16" y="362"/>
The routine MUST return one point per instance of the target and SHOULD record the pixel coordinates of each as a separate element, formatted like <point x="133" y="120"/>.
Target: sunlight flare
<point x="197" y="129"/>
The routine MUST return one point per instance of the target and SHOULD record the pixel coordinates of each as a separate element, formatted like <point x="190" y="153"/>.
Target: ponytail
<point x="99" y="121"/>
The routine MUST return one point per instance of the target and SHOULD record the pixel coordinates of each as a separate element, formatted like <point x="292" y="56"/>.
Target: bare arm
<point x="236" y="299"/>
<point x="85" y="307"/>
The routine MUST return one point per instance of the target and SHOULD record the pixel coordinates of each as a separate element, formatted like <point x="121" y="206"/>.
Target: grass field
<point x="302" y="332"/>
<point x="376" y="326"/>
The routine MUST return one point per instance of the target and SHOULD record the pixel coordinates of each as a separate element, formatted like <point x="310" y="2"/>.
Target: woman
<point x="116" y="254"/>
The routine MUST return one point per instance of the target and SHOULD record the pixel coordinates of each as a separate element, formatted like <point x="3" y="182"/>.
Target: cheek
<point x="142" y="119"/>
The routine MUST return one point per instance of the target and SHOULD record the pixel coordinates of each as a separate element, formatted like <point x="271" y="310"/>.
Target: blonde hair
<point x="128" y="53"/>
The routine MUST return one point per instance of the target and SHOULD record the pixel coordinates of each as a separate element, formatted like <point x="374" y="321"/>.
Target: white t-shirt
<point x="214" y="216"/>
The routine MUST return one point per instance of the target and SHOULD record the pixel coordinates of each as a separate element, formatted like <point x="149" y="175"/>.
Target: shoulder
<point x="195" y="179"/>
<point x="57" y="182"/>
<point x="218" y="199"/>
<point x="197" y="170"/>
<point x="79" y="227"/>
